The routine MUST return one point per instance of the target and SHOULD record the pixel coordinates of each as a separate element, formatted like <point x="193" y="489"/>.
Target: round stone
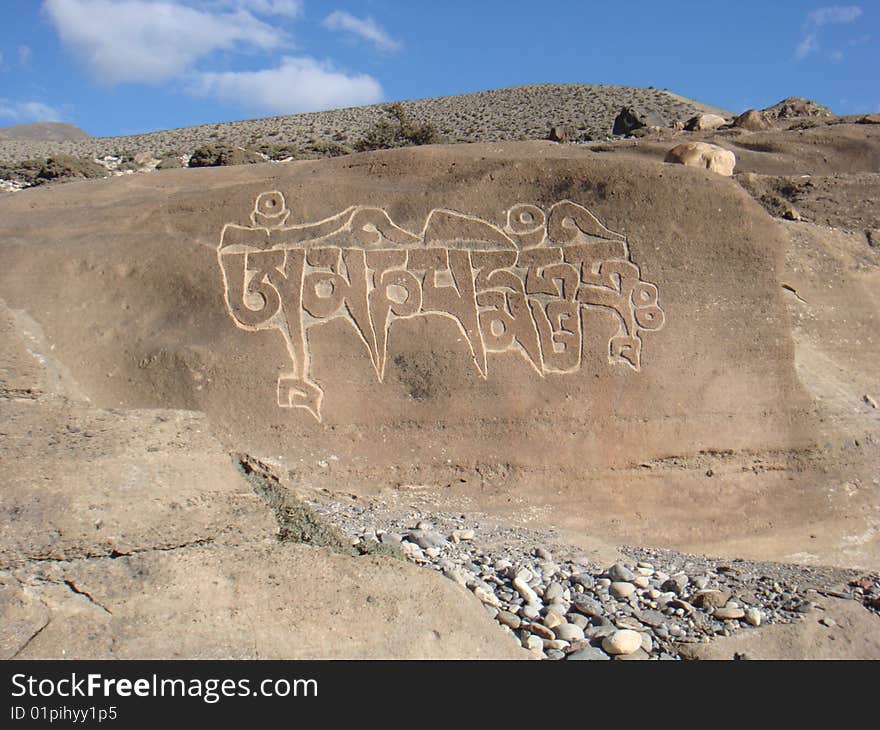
<point x="621" y="589"/>
<point x="569" y="632"/>
<point x="753" y="617"/>
<point x="509" y="619"/>
<point x="619" y="573"/>
<point x="624" y="641"/>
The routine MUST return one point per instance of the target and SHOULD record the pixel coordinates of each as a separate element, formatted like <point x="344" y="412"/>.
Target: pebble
<point x="541" y="631"/>
<point x="509" y="619"/>
<point x="569" y="632"/>
<point x="711" y="599"/>
<point x="525" y="590"/>
<point x="553" y="591"/>
<point x="622" y="590"/>
<point x="675" y="584"/>
<point x="637" y="655"/>
<point x="641" y="581"/>
<point x="619" y="573"/>
<point x="587" y="606"/>
<point x="753" y="616"/>
<point x="577" y="619"/>
<point x="426" y="539"/>
<point x="552" y="619"/>
<point x="530" y="611"/>
<point x="828" y="621"/>
<point x="728" y="613"/>
<point x="533" y="642"/>
<point x="647" y="643"/>
<point x="624" y="641"/>
<point x="588" y="654"/>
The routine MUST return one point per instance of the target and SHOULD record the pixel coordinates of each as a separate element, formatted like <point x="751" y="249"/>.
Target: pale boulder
<point x="702" y="154"/>
<point x="704" y="123"/>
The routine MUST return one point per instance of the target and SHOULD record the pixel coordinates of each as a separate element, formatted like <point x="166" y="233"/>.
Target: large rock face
<point x="506" y="322"/>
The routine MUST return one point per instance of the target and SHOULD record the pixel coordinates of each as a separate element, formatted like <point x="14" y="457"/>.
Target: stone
<point x="624" y="641"/>
<point x="729" y="614"/>
<point x="552" y="619"/>
<point x="676" y="584"/>
<point x="533" y="642"/>
<point x="797" y="106"/>
<point x="553" y="591"/>
<point x="587" y="605"/>
<point x="702" y="154"/>
<point x="641" y="581"/>
<point x="753" y="616"/>
<point x="555" y="644"/>
<point x="542" y="553"/>
<point x="619" y="573"/>
<point x="704" y="123"/>
<point x="622" y="590"/>
<point x="462" y="535"/>
<point x="647" y="643"/>
<point x="627" y="121"/>
<point x="391" y="538"/>
<point x="638" y="655"/>
<point x="588" y="654"/>
<point x="583" y="579"/>
<point x="525" y="590"/>
<point x="577" y="619"/>
<point x="569" y="632"/>
<point x="555" y="654"/>
<point x="753" y="120"/>
<point x="711" y="599"/>
<point x="540" y="630"/>
<point x="530" y="611"/>
<point x="509" y="619"/>
<point x="561" y="133"/>
<point x="426" y="539"/>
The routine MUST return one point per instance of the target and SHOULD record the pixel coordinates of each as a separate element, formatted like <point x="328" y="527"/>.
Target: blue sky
<point x="125" y="66"/>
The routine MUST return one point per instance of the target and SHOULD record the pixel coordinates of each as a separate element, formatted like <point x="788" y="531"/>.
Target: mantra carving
<point x="521" y="287"/>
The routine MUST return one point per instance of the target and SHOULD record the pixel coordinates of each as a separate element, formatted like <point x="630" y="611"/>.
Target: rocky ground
<point x="650" y="604"/>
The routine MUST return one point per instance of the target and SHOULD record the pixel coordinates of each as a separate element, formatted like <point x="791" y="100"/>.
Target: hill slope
<point x="516" y="113"/>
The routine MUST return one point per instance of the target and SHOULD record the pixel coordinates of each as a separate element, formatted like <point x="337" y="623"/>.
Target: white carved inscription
<point x="521" y="287"/>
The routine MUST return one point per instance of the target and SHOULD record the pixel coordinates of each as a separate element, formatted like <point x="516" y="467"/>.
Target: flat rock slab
<point x="257" y="601"/>
<point x="601" y="335"/>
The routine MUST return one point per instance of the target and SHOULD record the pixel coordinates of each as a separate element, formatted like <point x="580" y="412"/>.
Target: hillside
<point x="516" y="113"/>
<point x="37" y="132"/>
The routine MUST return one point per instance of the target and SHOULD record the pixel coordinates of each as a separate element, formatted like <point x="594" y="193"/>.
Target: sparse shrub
<point x="222" y="155"/>
<point x="58" y="168"/>
<point x="329" y="148"/>
<point x="169" y="162"/>
<point x="277" y="151"/>
<point x="397" y="131"/>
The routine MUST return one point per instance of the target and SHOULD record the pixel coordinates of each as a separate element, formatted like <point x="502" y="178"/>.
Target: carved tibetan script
<point x="521" y="287"/>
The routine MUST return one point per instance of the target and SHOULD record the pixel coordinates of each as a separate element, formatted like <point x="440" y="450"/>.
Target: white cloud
<point x="834" y="15"/>
<point x="28" y="111"/>
<point x="828" y="15"/>
<point x="297" y="85"/>
<point x="288" y="8"/>
<point x="807" y="46"/>
<point x="365" y="28"/>
<point x="153" y="41"/>
<point x="836" y="56"/>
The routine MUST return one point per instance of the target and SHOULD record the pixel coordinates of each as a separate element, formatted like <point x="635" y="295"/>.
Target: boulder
<point x="561" y="133"/>
<point x="702" y="154"/>
<point x="629" y="120"/>
<point x="704" y="123"/>
<point x="753" y="120"/>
